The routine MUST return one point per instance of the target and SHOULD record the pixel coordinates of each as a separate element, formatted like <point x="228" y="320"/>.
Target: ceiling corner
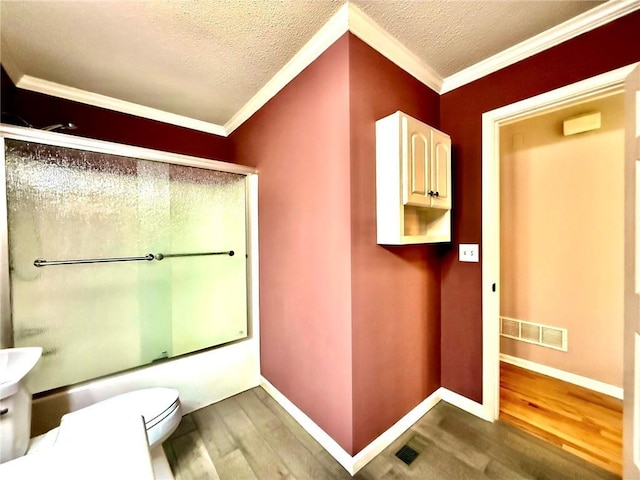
<point x="331" y="31"/>
<point x="363" y="27"/>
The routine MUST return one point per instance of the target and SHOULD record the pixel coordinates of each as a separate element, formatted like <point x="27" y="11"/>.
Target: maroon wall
<point x="350" y="330"/>
<point x="99" y="123"/>
<point x="606" y="48"/>
<point x="395" y="290"/>
<point x="299" y="141"/>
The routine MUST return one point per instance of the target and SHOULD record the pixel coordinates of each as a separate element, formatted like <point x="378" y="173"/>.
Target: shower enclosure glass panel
<point x="93" y="319"/>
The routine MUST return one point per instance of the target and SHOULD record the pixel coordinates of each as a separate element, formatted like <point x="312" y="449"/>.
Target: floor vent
<point x="407" y="454"/>
<point x="536" y="333"/>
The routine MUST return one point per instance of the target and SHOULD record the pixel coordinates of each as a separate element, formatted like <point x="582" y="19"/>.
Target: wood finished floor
<point x="249" y="436"/>
<point x="583" y="422"/>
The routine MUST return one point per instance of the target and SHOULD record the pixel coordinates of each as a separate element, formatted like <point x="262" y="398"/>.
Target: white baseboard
<point x="329" y="444"/>
<point x="354" y="463"/>
<point x="369" y="452"/>
<point x="469" y="406"/>
<point x="595" y="385"/>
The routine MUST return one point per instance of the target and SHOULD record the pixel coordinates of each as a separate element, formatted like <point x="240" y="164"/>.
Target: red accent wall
<point x="350" y="330"/>
<point x="93" y="122"/>
<point x="603" y="49"/>
<point x="299" y="142"/>
<point x="395" y="291"/>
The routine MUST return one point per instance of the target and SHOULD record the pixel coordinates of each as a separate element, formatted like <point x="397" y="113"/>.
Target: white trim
<point x="39" y="85"/>
<point x="585" y="382"/>
<point x="380" y="40"/>
<point x="337" y="26"/>
<point x="369" y="452"/>
<point x="600" y="85"/>
<point x="463" y="403"/>
<point x="573" y="27"/>
<point x="354" y="463"/>
<point x="348" y="18"/>
<point x="323" y="438"/>
<point x="253" y="267"/>
<point x="635" y="427"/>
<point x="111" y="148"/>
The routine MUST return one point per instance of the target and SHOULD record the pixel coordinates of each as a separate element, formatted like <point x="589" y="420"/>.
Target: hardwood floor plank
<point x="234" y="465"/>
<point x="498" y="471"/>
<point x="568" y="465"/>
<point x="186" y="425"/>
<point x="171" y="458"/>
<point x="521" y="454"/>
<point x="435" y="461"/>
<point x="566" y="430"/>
<point x="585" y="423"/>
<point x="227" y="406"/>
<point x="464" y="452"/>
<point x="239" y="425"/>
<point x="295" y="456"/>
<point x="264" y="458"/>
<point x="215" y="435"/>
<point x="301" y="434"/>
<point x="336" y="470"/>
<point x="192" y="460"/>
<point x="261" y="416"/>
<point x="376" y="469"/>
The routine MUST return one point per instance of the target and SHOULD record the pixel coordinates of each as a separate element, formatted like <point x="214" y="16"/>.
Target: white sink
<point x="15" y="363"/>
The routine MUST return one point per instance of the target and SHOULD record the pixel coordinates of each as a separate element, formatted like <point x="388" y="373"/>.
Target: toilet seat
<point x="154" y="404"/>
<point x="158" y="406"/>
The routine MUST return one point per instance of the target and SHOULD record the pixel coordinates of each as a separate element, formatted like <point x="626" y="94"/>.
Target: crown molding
<point x="54" y="89"/>
<point x="380" y="40"/>
<point x="331" y="31"/>
<point x="583" y="23"/>
<point x="347" y="18"/>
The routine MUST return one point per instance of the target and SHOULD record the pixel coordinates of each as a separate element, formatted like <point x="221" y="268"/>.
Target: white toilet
<point x="159" y="407"/>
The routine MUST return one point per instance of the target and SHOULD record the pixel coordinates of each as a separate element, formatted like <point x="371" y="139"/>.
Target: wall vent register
<point x="536" y="333"/>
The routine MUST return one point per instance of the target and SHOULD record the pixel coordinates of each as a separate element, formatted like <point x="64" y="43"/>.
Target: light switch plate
<point x="468" y="252"/>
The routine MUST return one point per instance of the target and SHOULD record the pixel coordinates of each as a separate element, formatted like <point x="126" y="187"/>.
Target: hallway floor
<point x="249" y="436"/>
<point x="581" y="421"/>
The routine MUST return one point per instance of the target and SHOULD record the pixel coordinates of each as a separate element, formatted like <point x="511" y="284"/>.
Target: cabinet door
<point x="441" y="170"/>
<point x="416" y="152"/>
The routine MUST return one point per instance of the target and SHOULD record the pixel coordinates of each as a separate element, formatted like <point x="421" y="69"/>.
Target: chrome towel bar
<point x="160" y="256"/>
<point x="40" y="262"/>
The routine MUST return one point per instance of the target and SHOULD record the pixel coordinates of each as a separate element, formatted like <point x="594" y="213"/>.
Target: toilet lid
<point x="151" y="403"/>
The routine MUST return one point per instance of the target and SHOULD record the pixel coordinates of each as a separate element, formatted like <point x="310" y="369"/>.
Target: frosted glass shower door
<point x="93" y="319"/>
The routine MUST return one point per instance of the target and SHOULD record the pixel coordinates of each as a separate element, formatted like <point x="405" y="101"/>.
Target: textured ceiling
<point x="206" y="59"/>
<point x="452" y="35"/>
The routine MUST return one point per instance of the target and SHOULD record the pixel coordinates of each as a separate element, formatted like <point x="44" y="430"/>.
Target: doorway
<point x="562" y="270"/>
<point x="596" y="87"/>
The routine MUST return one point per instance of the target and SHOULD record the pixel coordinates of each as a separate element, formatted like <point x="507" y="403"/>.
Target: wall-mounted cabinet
<point x="413" y="182"/>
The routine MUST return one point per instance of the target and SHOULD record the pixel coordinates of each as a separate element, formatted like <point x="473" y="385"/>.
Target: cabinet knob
<point x="430" y="193"/>
<point x="437" y="194"/>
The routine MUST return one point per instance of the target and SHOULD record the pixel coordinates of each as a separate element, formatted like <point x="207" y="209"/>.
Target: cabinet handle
<point x="430" y="193"/>
<point x="437" y="194"/>
<point x="4" y="410"/>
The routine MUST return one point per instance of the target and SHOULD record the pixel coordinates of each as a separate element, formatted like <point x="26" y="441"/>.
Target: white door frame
<point x="601" y="85"/>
